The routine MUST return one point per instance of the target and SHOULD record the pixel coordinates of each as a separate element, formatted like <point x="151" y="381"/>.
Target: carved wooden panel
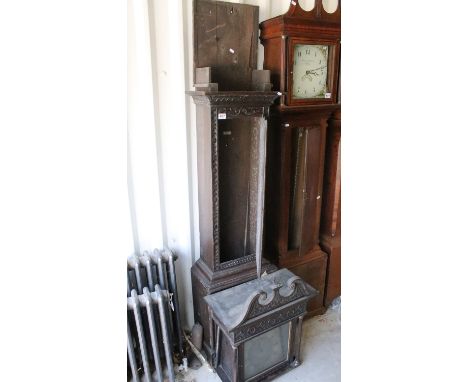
<point x="261" y="304"/>
<point x="260" y="326"/>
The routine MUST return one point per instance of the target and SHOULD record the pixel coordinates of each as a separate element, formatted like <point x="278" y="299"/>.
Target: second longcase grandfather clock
<point x="302" y="51"/>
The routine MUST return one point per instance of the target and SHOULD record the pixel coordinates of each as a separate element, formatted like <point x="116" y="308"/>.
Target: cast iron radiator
<point x="153" y="317"/>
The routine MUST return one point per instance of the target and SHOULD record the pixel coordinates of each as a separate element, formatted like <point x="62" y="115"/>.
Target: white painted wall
<point x="162" y="180"/>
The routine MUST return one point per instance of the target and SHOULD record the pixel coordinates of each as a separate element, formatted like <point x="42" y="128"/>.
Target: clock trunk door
<point x="305" y="198"/>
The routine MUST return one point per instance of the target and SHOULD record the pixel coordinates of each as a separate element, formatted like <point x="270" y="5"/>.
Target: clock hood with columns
<point x="281" y="37"/>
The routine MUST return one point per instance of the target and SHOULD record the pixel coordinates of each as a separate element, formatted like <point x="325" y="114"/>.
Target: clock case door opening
<point x="239" y="187"/>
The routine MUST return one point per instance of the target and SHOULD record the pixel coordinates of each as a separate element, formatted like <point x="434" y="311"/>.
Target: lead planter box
<point x="256" y="326"/>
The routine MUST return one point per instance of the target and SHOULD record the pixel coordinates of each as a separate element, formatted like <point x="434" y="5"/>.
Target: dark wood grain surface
<point x="226" y="39"/>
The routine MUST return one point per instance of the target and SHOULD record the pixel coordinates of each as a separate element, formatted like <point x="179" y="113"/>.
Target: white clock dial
<point x="310" y="64"/>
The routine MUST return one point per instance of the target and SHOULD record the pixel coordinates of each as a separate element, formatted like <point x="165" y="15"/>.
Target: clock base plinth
<point x="332" y="245"/>
<point x="312" y="268"/>
<point x="205" y="282"/>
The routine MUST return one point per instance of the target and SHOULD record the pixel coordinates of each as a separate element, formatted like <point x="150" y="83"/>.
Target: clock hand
<point x="314" y="70"/>
<point x="309" y="73"/>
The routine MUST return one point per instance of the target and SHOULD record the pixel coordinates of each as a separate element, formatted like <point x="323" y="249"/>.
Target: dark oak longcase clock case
<point x="232" y="101"/>
<point x="298" y="139"/>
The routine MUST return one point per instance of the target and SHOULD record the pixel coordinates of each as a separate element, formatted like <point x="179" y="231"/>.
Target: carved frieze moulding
<point x="235" y="262"/>
<point x="242" y="111"/>
<point x="269" y="322"/>
<point x="250" y="99"/>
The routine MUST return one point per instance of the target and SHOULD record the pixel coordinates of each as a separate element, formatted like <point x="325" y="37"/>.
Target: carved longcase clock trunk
<point x="302" y="51"/>
<point x="232" y="101"/>
<point x="231" y="136"/>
